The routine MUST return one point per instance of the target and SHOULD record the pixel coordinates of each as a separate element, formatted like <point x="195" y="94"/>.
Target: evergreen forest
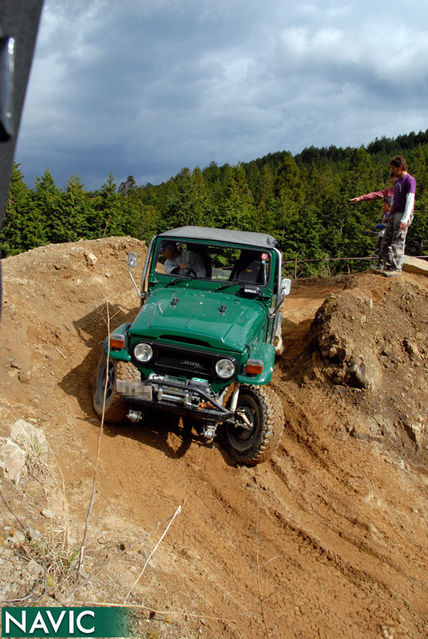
<point x="302" y="200"/>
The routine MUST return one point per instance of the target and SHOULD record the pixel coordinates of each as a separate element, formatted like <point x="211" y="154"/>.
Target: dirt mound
<point x="327" y="539"/>
<point x="374" y="336"/>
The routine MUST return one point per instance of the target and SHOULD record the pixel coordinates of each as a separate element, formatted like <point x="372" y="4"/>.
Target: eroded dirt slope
<point x="327" y="539"/>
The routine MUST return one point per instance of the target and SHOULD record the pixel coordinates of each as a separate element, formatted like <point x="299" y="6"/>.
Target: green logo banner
<point x="65" y="622"/>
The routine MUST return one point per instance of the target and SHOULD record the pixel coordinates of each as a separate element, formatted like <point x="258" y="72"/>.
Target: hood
<point x="223" y="321"/>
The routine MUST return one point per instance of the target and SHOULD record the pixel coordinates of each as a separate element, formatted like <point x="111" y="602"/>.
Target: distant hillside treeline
<point x="302" y="200"/>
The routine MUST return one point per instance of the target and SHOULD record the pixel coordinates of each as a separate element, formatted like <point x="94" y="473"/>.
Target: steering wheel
<point x="178" y="271"/>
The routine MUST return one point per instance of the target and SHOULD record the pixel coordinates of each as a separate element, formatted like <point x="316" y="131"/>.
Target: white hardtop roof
<point x="261" y="240"/>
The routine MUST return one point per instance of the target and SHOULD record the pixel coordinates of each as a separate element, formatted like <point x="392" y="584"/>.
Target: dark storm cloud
<point x="146" y="88"/>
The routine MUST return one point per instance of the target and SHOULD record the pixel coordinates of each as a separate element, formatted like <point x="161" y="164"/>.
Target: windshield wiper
<point x="174" y="281"/>
<point x="183" y="278"/>
<point x="222" y="288"/>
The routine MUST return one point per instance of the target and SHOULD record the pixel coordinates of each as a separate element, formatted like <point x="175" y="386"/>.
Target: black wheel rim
<point x="244" y="434"/>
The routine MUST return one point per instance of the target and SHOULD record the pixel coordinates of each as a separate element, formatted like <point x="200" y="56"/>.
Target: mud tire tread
<point x="116" y="408"/>
<point x="271" y="430"/>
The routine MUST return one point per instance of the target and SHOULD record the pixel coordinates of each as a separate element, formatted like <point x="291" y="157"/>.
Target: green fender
<point x="266" y="353"/>
<point x="122" y="353"/>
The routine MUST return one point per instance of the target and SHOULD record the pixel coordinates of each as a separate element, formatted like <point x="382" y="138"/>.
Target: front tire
<point x="255" y="443"/>
<point x="116" y="408"/>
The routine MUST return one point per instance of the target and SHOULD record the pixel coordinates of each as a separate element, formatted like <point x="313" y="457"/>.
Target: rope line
<point x="338" y="259"/>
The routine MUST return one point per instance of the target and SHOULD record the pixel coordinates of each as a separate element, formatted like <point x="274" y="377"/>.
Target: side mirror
<point x="132" y="262"/>
<point x="285" y="287"/>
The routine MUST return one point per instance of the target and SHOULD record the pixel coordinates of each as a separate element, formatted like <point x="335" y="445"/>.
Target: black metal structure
<point x="19" y="23"/>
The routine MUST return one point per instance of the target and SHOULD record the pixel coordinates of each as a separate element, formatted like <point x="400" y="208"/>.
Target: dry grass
<point x="50" y="549"/>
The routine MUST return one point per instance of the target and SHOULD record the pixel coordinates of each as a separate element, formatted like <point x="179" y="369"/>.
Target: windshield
<point x="213" y="262"/>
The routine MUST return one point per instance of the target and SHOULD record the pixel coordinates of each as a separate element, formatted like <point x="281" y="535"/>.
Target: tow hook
<point x="209" y="431"/>
<point x="134" y="416"/>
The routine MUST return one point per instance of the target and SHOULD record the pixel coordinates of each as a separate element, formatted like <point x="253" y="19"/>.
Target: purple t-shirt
<point x="402" y="186"/>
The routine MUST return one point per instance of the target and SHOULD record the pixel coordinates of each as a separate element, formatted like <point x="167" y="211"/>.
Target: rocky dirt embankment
<point x="375" y="338"/>
<point x="327" y="539"/>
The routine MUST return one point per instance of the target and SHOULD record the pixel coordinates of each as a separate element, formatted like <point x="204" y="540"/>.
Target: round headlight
<point x="143" y="352"/>
<point x="225" y="368"/>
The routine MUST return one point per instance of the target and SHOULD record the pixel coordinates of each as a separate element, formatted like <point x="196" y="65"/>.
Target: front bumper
<point x="182" y="398"/>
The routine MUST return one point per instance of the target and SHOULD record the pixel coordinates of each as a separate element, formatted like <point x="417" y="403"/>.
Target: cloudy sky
<point x="147" y="87"/>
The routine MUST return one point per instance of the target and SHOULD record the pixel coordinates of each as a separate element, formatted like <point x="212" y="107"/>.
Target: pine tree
<point x="109" y="216"/>
<point x="236" y="208"/>
<point x="77" y="211"/>
<point x="23" y="227"/>
<point x="142" y="220"/>
<point x="47" y="202"/>
<point x="203" y="213"/>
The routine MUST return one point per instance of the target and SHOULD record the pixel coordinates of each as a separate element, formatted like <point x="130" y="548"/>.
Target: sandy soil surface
<point x="327" y="539"/>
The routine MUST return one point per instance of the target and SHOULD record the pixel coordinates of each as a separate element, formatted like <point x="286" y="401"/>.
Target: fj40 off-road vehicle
<point x="203" y="344"/>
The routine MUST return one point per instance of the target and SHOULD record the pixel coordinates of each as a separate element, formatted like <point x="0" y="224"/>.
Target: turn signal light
<point x="117" y="341"/>
<point x="254" y="367"/>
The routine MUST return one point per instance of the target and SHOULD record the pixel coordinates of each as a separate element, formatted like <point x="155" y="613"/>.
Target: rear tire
<point x="116" y="408"/>
<point x="263" y="409"/>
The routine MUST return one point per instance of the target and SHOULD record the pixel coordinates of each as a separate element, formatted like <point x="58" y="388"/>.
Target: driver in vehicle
<point x="181" y="263"/>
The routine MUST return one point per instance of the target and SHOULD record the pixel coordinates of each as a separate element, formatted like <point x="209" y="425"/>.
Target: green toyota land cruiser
<point x="203" y="344"/>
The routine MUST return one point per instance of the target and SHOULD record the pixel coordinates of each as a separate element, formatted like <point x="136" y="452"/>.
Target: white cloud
<point x="400" y="60"/>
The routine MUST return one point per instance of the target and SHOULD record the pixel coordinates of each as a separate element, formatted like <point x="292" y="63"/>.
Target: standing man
<point x="400" y="218"/>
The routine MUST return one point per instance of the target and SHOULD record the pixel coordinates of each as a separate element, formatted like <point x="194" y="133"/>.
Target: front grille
<point x="170" y="359"/>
